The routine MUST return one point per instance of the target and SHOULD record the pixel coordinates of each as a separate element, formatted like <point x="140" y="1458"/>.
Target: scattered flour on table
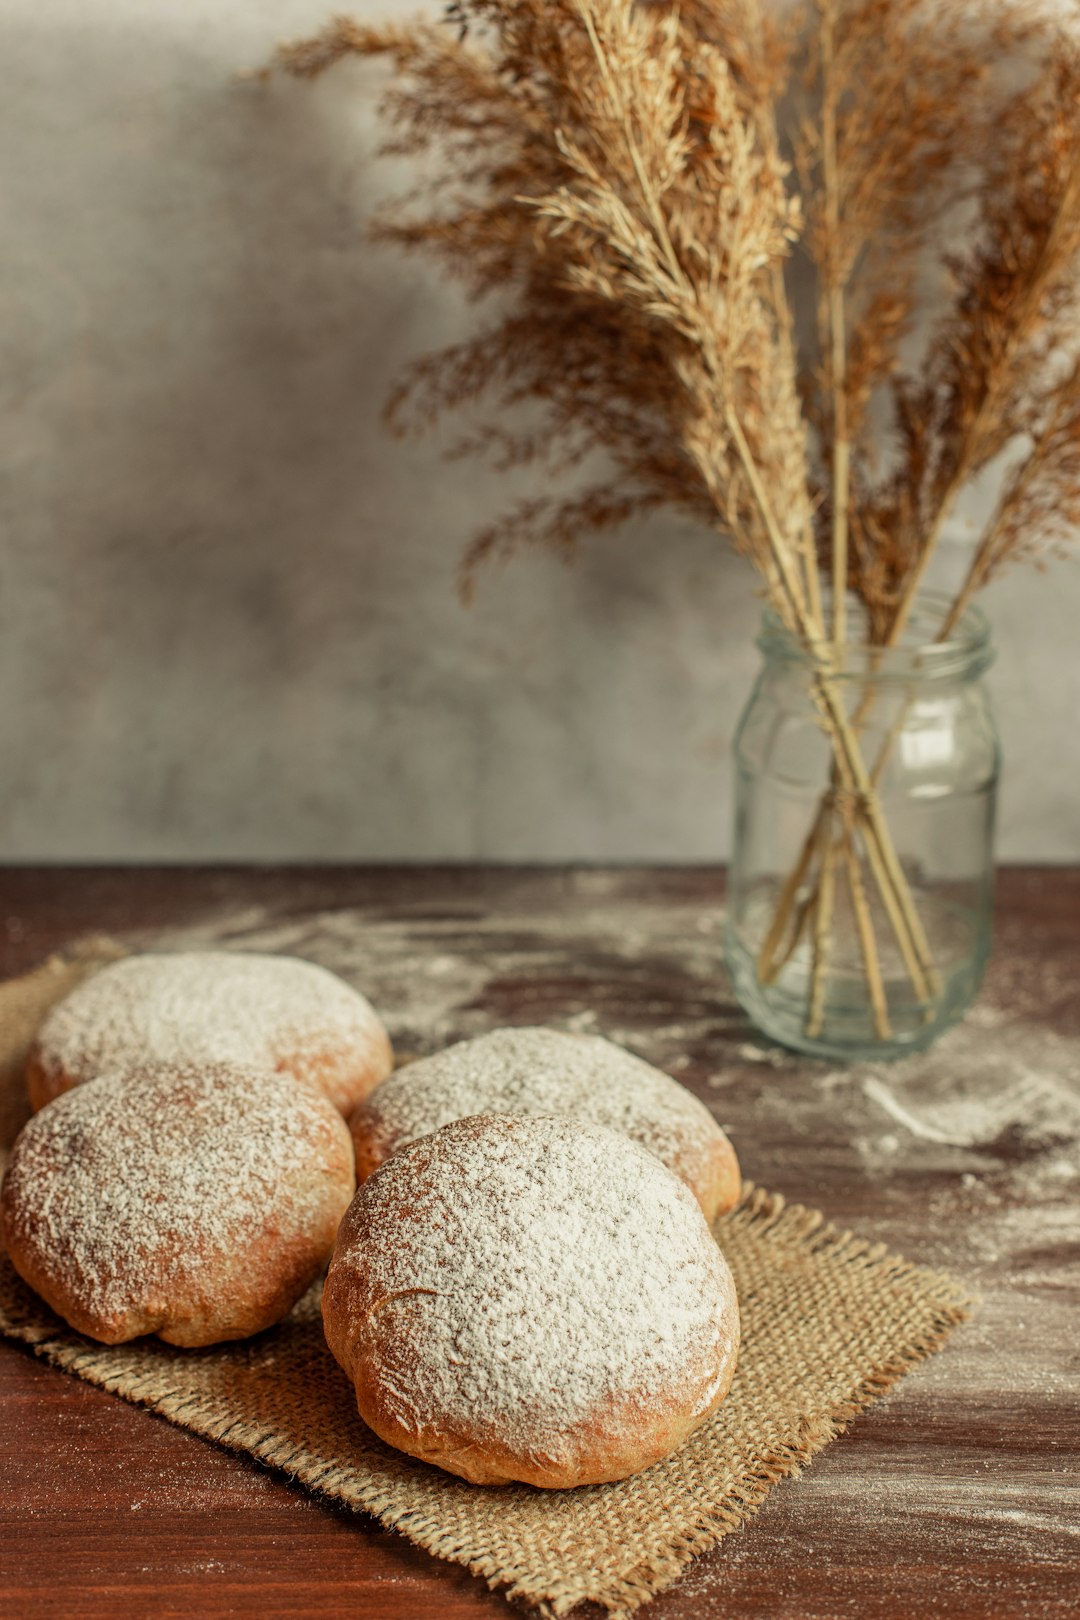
<point x="414" y="988"/>
<point x="773" y="1057"/>
<point x="974" y="1089"/>
<point x="429" y="976"/>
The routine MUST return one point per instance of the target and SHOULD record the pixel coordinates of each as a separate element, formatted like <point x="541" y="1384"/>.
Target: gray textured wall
<point x="227" y="620"/>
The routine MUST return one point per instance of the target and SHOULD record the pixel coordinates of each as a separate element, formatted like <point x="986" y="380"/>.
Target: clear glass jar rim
<point x="967" y="651"/>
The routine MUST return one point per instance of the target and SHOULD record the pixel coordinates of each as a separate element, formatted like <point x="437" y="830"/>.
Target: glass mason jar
<point x="858" y="923"/>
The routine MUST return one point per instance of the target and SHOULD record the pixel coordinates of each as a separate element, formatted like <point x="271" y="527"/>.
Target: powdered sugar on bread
<point x="538" y="1291"/>
<point x="198" y="1203"/>
<point x="545" y="1071"/>
<point x="206" y="1006"/>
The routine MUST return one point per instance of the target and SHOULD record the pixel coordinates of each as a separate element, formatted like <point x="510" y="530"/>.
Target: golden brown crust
<point x="481" y="1302"/>
<point x="372" y="1146"/>
<point x="41" y="1086"/>
<point x="544" y="1071"/>
<point x="271" y="1012"/>
<point x="714" y="1178"/>
<point x="711" y="1171"/>
<point x="339" y="1075"/>
<point x="232" y="1302"/>
<point x="630" y="1437"/>
<point x="198" y="1205"/>
<point x="626" y="1443"/>
<point x="344" y="1075"/>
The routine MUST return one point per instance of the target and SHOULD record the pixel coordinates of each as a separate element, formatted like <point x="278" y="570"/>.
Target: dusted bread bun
<point x="197" y="1204"/>
<point x="542" y="1071"/>
<point x="271" y="1012"/>
<point x="531" y="1299"/>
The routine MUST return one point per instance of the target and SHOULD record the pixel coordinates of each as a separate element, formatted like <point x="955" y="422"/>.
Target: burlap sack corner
<point x="829" y="1323"/>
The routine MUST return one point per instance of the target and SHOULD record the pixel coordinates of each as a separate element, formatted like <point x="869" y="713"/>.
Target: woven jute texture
<point x="829" y="1323"/>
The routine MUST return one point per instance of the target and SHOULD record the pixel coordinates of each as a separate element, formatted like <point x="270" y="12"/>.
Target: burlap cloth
<point x="829" y="1323"/>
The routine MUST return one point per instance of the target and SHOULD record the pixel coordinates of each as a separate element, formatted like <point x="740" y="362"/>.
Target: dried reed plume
<point x="613" y="175"/>
<point x="893" y="100"/>
<point x="992" y="376"/>
<point x="618" y="174"/>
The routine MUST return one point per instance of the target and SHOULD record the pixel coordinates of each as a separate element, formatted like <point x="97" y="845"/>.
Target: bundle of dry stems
<point x="634" y="181"/>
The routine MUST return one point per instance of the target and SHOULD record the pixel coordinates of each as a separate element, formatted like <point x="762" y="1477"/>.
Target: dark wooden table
<point x="955" y="1497"/>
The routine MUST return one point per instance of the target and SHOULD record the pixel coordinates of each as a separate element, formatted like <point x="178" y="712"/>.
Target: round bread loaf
<point x="531" y="1298"/>
<point x="543" y="1071"/>
<point x="273" y="1012"/>
<point x="198" y="1204"/>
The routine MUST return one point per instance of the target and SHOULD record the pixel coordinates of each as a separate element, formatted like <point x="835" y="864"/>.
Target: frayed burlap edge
<point x="943" y="1303"/>
<point x="951" y="1303"/>
<point x="766" y="1213"/>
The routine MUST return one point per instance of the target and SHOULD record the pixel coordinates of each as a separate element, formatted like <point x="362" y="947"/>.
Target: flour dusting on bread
<point x="203" y="1006"/>
<point x="195" y="1196"/>
<point x="535" y="1284"/>
<point x="545" y="1071"/>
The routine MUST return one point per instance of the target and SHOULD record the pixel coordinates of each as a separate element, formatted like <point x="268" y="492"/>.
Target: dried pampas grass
<point x="616" y="173"/>
<point x="632" y="181"/>
<point x="616" y="188"/>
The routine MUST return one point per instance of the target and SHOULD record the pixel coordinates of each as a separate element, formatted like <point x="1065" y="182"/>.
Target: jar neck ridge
<point x="919" y="655"/>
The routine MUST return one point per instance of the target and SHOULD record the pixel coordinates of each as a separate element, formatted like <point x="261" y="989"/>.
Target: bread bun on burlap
<point x="544" y="1071"/>
<point x="197" y="1203"/>
<point x="531" y="1298"/>
<point x="273" y="1012"/>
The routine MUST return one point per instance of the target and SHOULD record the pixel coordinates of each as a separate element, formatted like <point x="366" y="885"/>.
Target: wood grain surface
<point x="956" y="1497"/>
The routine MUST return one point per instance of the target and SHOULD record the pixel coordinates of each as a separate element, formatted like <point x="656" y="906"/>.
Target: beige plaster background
<point x="227" y="619"/>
